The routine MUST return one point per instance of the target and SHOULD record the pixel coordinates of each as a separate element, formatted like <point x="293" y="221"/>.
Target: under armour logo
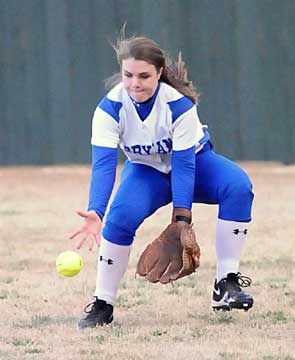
<point x="108" y="261"/>
<point x="237" y="231"/>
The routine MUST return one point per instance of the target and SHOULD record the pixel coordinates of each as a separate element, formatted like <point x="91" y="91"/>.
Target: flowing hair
<point x="143" y="48"/>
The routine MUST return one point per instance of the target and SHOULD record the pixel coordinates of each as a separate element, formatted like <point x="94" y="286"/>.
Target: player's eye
<point x="145" y="76"/>
<point x="128" y="75"/>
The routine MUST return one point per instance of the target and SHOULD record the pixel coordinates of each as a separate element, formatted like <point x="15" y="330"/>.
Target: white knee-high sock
<point x="230" y="240"/>
<point x="112" y="263"/>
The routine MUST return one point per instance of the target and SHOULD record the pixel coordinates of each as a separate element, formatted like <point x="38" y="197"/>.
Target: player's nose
<point x="136" y="82"/>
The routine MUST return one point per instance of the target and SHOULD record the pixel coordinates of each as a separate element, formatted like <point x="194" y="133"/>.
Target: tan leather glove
<point x="173" y="254"/>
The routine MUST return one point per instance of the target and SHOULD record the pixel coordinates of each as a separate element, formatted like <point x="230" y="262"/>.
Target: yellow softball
<point x="69" y="263"/>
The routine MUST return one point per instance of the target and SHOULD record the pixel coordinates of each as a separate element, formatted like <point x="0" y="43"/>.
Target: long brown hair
<point x="143" y="48"/>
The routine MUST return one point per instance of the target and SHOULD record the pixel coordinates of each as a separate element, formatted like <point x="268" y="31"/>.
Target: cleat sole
<point x="233" y="305"/>
<point x="222" y="308"/>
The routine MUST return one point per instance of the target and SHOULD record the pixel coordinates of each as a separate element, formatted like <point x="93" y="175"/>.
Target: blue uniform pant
<point x="143" y="190"/>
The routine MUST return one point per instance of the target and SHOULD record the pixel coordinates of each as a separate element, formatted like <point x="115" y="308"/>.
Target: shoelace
<point x="243" y="281"/>
<point x="88" y="308"/>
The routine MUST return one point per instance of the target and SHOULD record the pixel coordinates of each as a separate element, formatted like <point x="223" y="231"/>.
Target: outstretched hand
<point x="89" y="231"/>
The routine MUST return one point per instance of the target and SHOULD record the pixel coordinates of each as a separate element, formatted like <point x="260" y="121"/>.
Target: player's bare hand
<point x="89" y="231"/>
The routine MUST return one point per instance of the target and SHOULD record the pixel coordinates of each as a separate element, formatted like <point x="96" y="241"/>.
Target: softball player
<point x="151" y="113"/>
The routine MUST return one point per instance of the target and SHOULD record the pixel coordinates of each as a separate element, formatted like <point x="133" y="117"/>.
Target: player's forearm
<point x="104" y="163"/>
<point x="183" y="178"/>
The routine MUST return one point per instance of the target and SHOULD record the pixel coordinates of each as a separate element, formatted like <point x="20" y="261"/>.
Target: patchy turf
<point x="39" y="309"/>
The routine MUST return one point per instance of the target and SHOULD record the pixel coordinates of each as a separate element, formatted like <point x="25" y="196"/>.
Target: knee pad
<point x="236" y="202"/>
<point x="118" y="233"/>
<point x="122" y="222"/>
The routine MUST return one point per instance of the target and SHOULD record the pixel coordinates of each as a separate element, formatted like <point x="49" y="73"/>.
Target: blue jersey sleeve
<point x="104" y="163"/>
<point x="183" y="177"/>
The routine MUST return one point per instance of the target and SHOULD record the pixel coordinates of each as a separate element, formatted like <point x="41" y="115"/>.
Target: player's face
<point x="140" y="79"/>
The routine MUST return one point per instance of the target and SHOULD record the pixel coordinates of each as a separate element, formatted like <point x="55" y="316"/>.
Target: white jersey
<point x="172" y="124"/>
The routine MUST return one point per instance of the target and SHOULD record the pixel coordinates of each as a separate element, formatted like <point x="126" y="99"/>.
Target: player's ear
<point x="160" y="72"/>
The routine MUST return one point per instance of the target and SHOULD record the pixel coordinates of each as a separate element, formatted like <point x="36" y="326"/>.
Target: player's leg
<point x="221" y="181"/>
<point x="141" y="192"/>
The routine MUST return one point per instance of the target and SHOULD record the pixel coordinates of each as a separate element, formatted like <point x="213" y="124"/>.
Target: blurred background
<point x="55" y="54"/>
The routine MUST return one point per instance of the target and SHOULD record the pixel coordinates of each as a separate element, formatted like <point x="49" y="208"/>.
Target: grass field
<point x="39" y="310"/>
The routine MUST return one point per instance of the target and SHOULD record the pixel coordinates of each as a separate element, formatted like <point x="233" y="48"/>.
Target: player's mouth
<point x="138" y="95"/>
<point x="137" y="91"/>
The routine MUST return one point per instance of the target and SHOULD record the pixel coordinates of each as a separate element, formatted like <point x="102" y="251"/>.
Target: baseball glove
<point x="172" y="255"/>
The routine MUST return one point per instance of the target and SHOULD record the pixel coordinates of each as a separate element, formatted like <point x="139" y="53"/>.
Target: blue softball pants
<point x="143" y="190"/>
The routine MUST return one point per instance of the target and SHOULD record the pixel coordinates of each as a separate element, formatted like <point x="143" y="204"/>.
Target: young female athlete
<point x="151" y="113"/>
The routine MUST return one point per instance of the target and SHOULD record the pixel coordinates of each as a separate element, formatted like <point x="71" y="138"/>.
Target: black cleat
<point x="98" y="313"/>
<point x="228" y="295"/>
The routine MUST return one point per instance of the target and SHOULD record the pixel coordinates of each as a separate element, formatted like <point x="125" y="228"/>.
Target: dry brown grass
<point x="39" y="310"/>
